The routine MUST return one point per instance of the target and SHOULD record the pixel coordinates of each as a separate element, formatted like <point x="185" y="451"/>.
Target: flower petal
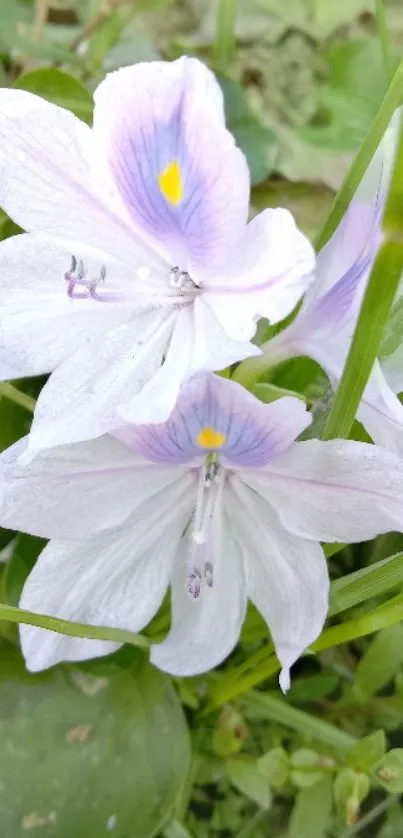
<point x="177" y="168"/>
<point x="53" y="180"/>
<point x="198" y="342"/>
<point x="286" y="577"/>
<point x="214" y="413"/>
<point x="381" y="413"/>
<point x="40" y="325"/>
<point x="266" y="276"/>
<point x="334" y="491"/>
<point x="114" y="579"/>
<point x="81" y="399"/>
<point x="66" y="492"/>
<point x="204" y="631"/>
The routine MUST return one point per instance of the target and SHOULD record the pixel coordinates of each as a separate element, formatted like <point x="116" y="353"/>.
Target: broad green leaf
<point x="367" y="751"/>
<point x="389" y="771"/>
<point x="310" y="817"/>
<point x="391" y="101"/>
<point x="60" y="88"/>
<point x="356" y="66"/>
<point x="245" y="775"/>
<point x="380" y="662"/>
<point x="75" y="764"/>
<point x="259" y="144"/>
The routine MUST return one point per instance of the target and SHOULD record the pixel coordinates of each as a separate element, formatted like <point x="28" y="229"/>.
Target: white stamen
<point x="200" y="567"/>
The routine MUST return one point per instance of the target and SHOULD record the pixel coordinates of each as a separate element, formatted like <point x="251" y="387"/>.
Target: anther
<point x="194" y="582"/>
<point x="181" y="281"/>
<point x="76" y="276"/>
<point x="209" y="574"/>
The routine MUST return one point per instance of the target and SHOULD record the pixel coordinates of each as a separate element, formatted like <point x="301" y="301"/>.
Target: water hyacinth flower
<point x="324" y="326"/>
<point x="219" y="502"/>
<point x="138" y="265"/>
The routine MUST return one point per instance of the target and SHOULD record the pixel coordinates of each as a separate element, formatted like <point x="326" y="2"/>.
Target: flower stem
<point x="10" y="392"/>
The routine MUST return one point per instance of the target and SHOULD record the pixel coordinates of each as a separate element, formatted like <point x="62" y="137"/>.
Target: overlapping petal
<point x="53" y="180"/>
<point x="114" y="579"/>
<point x="265" y="276"/>
<point x="177" y="168"/>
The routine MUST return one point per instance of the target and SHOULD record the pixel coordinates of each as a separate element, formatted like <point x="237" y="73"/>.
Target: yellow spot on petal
<point x="170" y="183"/>
<point x="209" y="438"/>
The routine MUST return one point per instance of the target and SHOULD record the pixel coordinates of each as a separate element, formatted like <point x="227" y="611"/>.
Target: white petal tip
<point x="284" y="680"/>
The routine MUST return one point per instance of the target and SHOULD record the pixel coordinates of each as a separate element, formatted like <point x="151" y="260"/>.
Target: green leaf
<point x="60" y="88"/>
<point x="350" y="789"/>
<point x="389" y="771"/>
<point x="25" y="553"/>
<point x="275" y="767"/>
<point x="312" y="688"/>
<point x="366" y="583"/>
<point x="259" y="144"/>
<point x="310" y="817"/>
<point x="80" y="764"/>
<point x="367" y="751"/>
<point x="380" y="662"/>
<point x="278" y="711"/>
<point x="270" y="393"/>
<point x="305" y="769"/>
<point x="245" y="775"/>
<point x="391" y="101"/>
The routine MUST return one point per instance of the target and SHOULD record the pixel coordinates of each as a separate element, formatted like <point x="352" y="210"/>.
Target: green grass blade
<point x="225" y="31"/>
<point x="384" y="38"/>
<point x="378" y="300"/>
<point x="280" y="712"/>
<point x="18" y="615"/>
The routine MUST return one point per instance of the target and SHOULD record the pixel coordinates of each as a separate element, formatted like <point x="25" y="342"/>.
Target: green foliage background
<point x="113" y="747"/>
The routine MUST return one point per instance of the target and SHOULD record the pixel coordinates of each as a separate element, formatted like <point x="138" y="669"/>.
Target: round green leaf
<point x="89" y="756"/>
<point x="305" y="768"/>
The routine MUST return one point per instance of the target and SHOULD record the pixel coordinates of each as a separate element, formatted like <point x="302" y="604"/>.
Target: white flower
<point x="325" y="324"/>
<point x="138" y="250"/>
<point x="219" y="502"/>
